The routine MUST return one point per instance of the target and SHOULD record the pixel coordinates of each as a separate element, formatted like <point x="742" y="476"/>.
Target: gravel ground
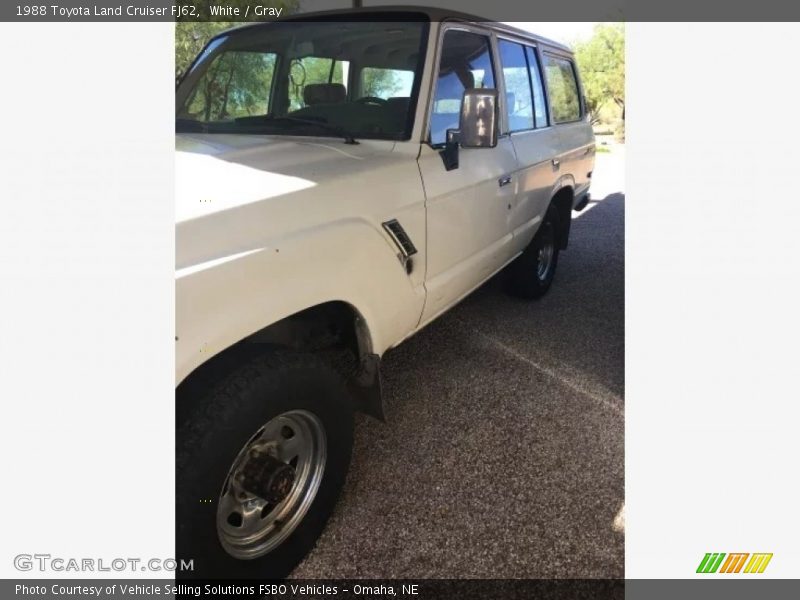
<point x="504" y="449"/>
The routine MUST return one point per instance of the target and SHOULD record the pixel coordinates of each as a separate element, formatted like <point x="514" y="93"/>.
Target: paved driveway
<point x="503" y="454"/>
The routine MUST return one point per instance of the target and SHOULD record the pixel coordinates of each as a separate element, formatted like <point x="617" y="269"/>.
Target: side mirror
<point x="477" y="125"/>
<point x="478" y="122"/>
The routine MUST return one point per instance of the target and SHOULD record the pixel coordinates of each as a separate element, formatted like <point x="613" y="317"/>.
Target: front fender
<point x="223" y="301"/>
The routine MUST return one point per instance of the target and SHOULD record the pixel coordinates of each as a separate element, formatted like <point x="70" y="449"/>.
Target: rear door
<point x="534" y="140"/>
<point x="567" y="114"/>
<point x="468" y="208"/>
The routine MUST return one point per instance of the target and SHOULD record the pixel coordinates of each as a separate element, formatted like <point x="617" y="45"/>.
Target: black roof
<point x="434" y="14"/>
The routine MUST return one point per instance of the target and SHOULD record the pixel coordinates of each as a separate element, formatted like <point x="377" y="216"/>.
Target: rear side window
<point x="563" y="87"/>
<point x="466" y="63"/>
<point x="519" y="101"/>
<point x="539" y="108"/>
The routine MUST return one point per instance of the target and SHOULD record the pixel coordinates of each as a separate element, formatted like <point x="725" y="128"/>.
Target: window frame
<point x="272" y="87"/>
<point x="537" y="56"/>
<point x="411" y="131"/>
<point x="491" y="38"/>
<point x="534" y="48"/>
<point x="578" y="88"/>
<point x="540" y="49"/>
<point x="507" y="124"/>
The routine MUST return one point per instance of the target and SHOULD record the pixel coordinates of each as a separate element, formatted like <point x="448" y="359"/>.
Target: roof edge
<point x="434" y="14"/>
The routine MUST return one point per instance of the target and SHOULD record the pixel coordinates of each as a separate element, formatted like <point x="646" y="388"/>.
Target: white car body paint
<point x="270" y="225"/>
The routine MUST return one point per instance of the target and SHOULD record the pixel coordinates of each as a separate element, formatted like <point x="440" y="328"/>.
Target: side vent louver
<point x="403" y="243"/>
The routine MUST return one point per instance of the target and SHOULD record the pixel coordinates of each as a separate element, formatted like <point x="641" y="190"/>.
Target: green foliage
<point x="601" y="61"/>
<point x="564" y="99"/>
<point x="236" y="85"/>
<point x="310" y="70"/>
<point x="380" y="83"/>
<point x="191" y="35"/>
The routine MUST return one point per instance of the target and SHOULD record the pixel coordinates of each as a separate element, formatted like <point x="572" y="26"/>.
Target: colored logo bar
<point x="714" y="562"/>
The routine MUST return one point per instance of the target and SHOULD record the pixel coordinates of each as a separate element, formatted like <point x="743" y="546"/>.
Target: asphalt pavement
<point x="503" y="454"/>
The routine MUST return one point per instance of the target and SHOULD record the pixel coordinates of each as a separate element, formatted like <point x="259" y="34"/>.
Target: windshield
<point x="322" y="78"/>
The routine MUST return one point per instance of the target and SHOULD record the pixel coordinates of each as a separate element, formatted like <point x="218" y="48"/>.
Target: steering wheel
<point x="372" y="100"/>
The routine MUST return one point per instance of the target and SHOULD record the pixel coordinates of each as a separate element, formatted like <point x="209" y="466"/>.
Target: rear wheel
<point x="531" y="275"/>
<point x="260" y="464"/>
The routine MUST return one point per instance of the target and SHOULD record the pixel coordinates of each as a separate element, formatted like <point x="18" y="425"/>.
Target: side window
<point x="563" y="87"/>
<point x="539" y="108"/>
<point x="237" y="84"/>
<point x="466" y="63"/>
<point x="519" y="102"/>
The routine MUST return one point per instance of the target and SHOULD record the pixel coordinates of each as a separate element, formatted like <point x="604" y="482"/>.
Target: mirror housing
<point x="477" y="125"/>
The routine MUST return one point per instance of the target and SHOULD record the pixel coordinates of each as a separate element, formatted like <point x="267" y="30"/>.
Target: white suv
<point x="342" y="180"/>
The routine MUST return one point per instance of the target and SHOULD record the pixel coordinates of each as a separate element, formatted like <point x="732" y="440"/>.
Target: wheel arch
<point x="335" y="329"/>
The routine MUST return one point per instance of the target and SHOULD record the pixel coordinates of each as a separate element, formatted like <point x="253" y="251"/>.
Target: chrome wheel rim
<point x="271" y="484"/>
<point x="544" y="262"/>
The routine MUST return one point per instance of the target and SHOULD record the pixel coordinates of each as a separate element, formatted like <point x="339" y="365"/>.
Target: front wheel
<point x="531" y="275"/>
<point x="260" y="464"/>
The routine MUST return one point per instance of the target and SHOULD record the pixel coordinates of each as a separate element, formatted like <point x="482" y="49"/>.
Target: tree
<point x="382" y="83"/>
<point x="237" y="83"/>
<point x="192" y="34"/>
<point x="191" y="37"/>
<point x="601" y="61"/>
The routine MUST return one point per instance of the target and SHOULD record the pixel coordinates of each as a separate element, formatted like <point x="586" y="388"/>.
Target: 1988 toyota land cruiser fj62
<point x="342" y="180"/>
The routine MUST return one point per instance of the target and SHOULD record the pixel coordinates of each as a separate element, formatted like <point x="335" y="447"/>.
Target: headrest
<point x="324" y="93"/>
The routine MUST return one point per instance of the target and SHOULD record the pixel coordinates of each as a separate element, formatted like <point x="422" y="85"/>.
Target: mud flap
<point x="365" y="386"/>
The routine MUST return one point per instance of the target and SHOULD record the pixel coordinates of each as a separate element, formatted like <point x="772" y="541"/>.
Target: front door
<point x="468" y="208"/>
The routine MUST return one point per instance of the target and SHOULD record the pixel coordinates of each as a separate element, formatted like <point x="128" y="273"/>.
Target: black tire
<point x="525" y="278"/>
<point x="224" y="423"/>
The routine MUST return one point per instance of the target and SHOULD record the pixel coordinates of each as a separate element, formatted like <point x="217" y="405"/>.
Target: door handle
<point x="556" y="163"/>
<point x="505" y="180"/>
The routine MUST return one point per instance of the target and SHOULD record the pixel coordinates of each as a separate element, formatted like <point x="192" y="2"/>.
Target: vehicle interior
<point x="359" y="77"/>
<point x="466" y="62"/>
